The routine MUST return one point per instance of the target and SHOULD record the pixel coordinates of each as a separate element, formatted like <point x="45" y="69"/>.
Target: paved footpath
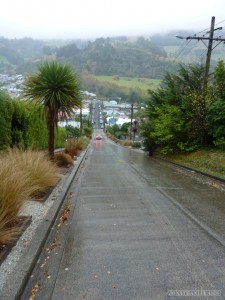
<point x="125" y="238"/>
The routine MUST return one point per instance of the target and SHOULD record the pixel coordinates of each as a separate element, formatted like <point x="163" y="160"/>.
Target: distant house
<point x="85" y="112"/>
<point x="88" y="94"/>
<point x="69" y="122"/>
<point x="110" y="104"/>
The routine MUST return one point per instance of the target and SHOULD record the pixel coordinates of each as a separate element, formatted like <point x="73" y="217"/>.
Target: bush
<point x="15" y="189"/>
<point x="137" y="144"/>
<point x="83" y="142"/>
<point x="22" y="174"/>
<point x="71" y="147"/>
<point x="63" y="159"/>
<point x="75" y="145"/>
<point x="87" y="131"/>
<point x="72" y="131"/>
<point x="127" y="143"/>
<point x="36" y="165"/>
<point x="60" y="137"/>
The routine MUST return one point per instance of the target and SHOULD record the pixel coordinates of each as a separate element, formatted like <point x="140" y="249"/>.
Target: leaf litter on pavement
<point x="54" y="244"/>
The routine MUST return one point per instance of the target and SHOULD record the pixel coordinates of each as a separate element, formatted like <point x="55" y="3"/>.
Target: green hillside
<point x="130" y="82"/>
<point x="119" y="56"/>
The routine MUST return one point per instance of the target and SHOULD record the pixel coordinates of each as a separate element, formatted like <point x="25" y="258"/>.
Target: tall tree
<point x="216" y="110"/>
<point x="57" y="88"/>
<point x="6" y="113"/>
<point x="177" y="111"/>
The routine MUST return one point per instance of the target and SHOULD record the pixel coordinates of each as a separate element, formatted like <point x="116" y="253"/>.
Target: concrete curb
<point x="17" y="280"/>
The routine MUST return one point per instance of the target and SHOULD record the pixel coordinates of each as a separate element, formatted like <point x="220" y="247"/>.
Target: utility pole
<point x="131" y="121"/>
<point x="209" y="52"/>
<point x="81" y="120"/>
<point x="90" y="114"/>
<point x="210" y="48"/>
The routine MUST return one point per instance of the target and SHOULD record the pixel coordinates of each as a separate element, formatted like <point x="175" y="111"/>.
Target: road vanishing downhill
<point x="136" y="228"/>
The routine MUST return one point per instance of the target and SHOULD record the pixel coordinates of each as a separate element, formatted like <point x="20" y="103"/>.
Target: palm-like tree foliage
<point x="57" y="88"/>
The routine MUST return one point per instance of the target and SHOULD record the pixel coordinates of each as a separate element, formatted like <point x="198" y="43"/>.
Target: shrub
<point x="22" y="174"/>
<point x="87" y="131"/>
<point x="72" y="131"/>
<point x="15" y="189"/>
<point x="71" y="147"/>
<point x="83" y="142"/>
<point x="36" y="165"/>
<point x="63" y="159"/>
<point x="60" y="137"/>
<point x="137" y="144"/>
<point x="127" y="143"/>
<point x="75" y="145"/>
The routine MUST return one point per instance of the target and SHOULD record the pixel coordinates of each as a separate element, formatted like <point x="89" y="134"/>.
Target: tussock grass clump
<point x="22" y="174"/>
<point x="108" y="134"/>
<point x="42" y="173"/>
<point x="15" y="189"/>
<point x="83" y="142"/>
<point x="71" y="147"/>
<point x="75" y="145"/>
<point x="127" y="143"/>
<point x="63" y="159"/>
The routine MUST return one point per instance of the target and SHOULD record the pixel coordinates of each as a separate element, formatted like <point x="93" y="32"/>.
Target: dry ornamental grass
<point x="22" y="174"/>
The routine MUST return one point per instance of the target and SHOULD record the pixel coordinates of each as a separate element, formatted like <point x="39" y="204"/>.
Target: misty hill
<point x="138" y="57"/>
<point x="17" y="52"/>
<point x="122" y="56"/>
<point x="21" y="55"/>
<point x="189" y="51"/>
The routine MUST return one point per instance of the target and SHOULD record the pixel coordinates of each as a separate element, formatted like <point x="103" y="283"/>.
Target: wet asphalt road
<point x="137" y="229"/>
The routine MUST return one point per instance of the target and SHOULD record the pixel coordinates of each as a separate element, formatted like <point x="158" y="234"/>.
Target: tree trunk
<point x="51" y="136"/>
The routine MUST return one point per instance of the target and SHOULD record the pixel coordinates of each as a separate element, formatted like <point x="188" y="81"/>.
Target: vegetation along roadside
<point x="28" y="170"/>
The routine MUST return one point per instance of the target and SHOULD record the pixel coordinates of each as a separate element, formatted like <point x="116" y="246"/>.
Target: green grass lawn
<point x="130" y="82"/>
<point x="209" y="161"/>
<point x="3" y="60"/>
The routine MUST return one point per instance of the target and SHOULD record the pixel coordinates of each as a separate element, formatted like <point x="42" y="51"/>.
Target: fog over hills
<point x="142" y="56"/>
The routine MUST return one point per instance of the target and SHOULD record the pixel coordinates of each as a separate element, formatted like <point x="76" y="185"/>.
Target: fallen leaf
<point x="34" y="291"/>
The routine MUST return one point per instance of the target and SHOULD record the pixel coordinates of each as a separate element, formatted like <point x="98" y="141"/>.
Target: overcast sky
<point x="54" y="19"/>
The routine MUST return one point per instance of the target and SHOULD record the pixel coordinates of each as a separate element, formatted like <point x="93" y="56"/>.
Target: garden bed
<point x="21" y="223"/>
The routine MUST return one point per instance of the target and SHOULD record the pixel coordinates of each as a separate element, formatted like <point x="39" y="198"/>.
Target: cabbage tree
<point x="57" y="88"/>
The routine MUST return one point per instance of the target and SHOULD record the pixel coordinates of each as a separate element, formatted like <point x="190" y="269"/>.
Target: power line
<point x="203" y="53"/>
<point x="220" y="22"/>
<point x="209" y="27"/>
<point x="211" y="39"/>
<point x="177" y="55"/>
<point x="202" y="38"/>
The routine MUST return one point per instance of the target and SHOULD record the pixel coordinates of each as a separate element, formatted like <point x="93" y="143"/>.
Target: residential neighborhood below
<point x="111" y="111"/>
